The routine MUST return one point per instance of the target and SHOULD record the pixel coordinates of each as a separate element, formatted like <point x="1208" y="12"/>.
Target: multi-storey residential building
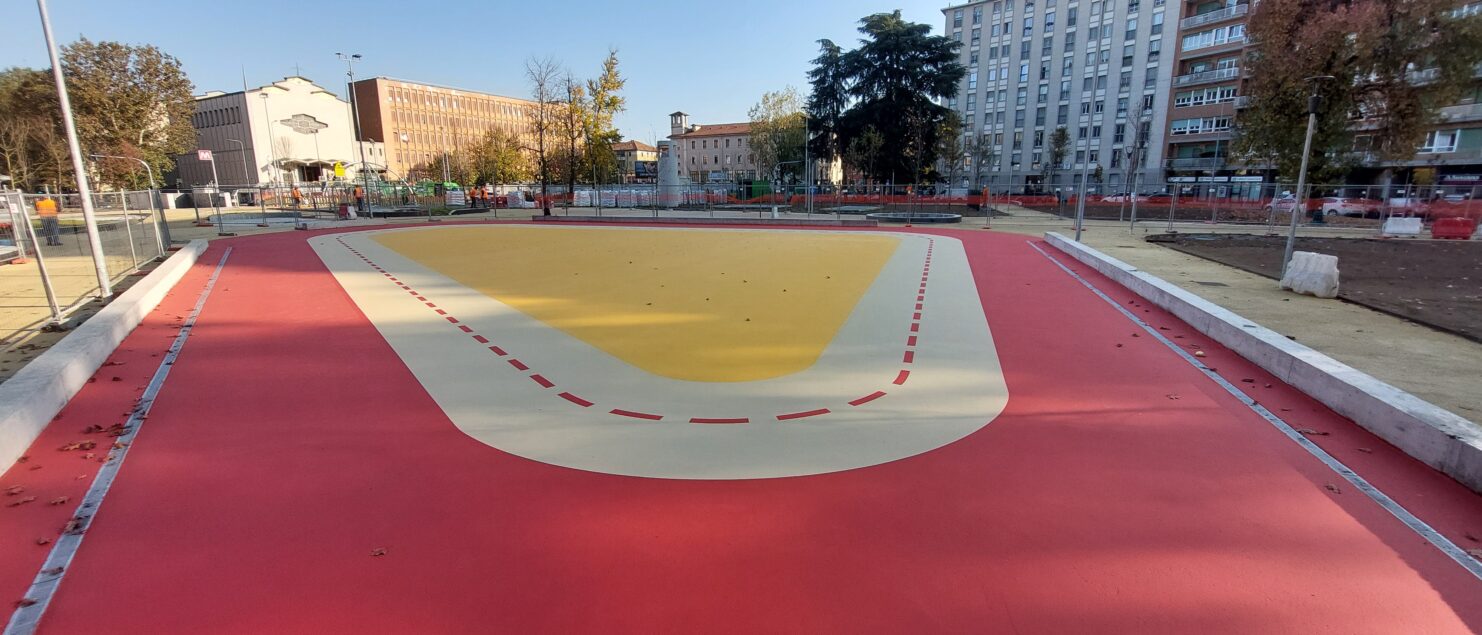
<point x="418" y="122"/>
<point x="1206" y="98"/>
<point x="714" y="152"/>
<point x="1205" y="92"/>
<point x="291" y="130"/>
<point x="637" y="161"/>
<point x="1098" y="68"/>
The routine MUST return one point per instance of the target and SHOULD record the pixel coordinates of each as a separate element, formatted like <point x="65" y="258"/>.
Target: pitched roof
<point x="718" y="129"/>
<point x="637" y="146"/>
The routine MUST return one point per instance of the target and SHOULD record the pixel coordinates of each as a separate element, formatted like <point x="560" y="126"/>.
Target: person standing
<point x="359" y="199"/>
<point x="298" y="197"/>
<point x="51" y="227"/>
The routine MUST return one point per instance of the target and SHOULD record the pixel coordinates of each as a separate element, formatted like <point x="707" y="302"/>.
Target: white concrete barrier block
<point x="1398" y="226"/>
<point x="1312" y="274"/>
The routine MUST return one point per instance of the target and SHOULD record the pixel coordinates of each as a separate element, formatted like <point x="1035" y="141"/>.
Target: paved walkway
<point x="297" y="474"/>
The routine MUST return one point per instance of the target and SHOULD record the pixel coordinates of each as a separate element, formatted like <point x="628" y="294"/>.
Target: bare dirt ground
<point x="1434" y="282"/>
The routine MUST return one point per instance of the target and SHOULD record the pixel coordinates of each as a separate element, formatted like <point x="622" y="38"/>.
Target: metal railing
<point x="1214" y="16"/>
<point x="1204" y="77"/>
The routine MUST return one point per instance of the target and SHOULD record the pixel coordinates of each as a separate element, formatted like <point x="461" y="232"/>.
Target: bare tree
<point x="543" y="75"/>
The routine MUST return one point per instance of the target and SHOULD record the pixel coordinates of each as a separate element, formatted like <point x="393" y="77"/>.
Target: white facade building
<point x="288" y="131"/>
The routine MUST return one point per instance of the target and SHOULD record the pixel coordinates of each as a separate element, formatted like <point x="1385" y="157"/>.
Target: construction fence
<point x="47" y="266"/>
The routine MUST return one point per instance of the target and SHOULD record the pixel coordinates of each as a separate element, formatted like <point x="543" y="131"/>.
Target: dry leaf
<point x="379" y="551"/>
<point x="43" y="541"/>
<point x="1365" y="450"/>
<point x="22" y="501"/>
<point x="1311" y="432"/>
<point x="59" y="500"/>
<point x="1333" y="488"/>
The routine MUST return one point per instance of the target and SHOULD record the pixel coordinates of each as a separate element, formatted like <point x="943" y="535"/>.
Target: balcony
<point x="1202" y="163"/>
<point x="1468" y="156"/>
<point x="1216" y="46"/>
<point x="1242" y="101"/>
<point x="1206" y="77"/>
<point x="1214" y="16"/>
<point x="1456" y="114"/>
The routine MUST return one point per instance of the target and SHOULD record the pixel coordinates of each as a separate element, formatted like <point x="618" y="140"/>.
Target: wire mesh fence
<point x="47" y="265"/>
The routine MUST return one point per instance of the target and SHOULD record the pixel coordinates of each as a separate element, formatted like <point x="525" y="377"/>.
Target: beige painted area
<point x="713" y="306"/>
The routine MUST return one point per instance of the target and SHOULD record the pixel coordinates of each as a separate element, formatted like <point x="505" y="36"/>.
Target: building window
<point x="1157" y="23"/>
<point x="1214" y="37"/>
<point x="1070" y="17"/>
<point x="1440" y="141"/>
<point x="1028" y="26"/>
<point x="957" y="19"/>
<point x="978" y="14"/>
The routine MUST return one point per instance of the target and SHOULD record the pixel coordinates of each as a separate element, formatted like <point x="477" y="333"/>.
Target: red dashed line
<point x="910" y="357"/>
<point x="635" y="415"/>
<point x="451" y="319"/>
<point x="916" y="316"/>
<point x="425" y="300"/>
<point x="518" y="364"/>
<point x="544" y="383"/>
<point x="576" y="400"/>
<point x="440" y="312"/>
<point x="464" y="328"/>
<point x="498" y="351"/>
<point x="707" y="420"/>
<point x="801" y="415"/>
<point x="915" y="327"/>
<point x="918" y="306"/>
<point x="481" y="339"/>
<point x="868" y="398"/>
<point x="911" y="341"/>
<point x="900" y="379"/>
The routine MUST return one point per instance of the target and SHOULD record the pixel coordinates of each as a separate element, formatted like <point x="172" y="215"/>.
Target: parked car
<point x="1287" y="202"/>
<point x="1122" y="197"/>
<point x="1353" y="207"/>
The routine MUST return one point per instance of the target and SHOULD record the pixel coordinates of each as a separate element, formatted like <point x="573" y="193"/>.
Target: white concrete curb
<point x="32" y="397"/>
<point x="1431" y="434"/>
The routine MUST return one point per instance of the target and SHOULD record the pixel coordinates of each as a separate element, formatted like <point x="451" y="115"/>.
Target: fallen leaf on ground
<point x="24" y="602"/>
<point x="43" y="541"/>
<point x="59" y="500"/>
<point x="22" y="501"/>
<point x="379" y="551"/>
<point x="1198" y="353"/>
<point x="1333" y="488"/>
<point x="1311" y="432"/>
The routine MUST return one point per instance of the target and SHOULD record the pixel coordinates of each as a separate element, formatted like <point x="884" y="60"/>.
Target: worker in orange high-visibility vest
<point x="46" y="210"/>
<point x="359" y="199"/>
<point x="298" y="197"/>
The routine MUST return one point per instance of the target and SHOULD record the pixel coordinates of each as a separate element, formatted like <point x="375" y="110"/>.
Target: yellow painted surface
<point x="719" y="306"/>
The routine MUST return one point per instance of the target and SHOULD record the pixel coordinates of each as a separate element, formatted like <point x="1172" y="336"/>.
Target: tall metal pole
<point x="51" y="296"/>
<point x="1080" y="204"/>
<point x="355" y="129"/>
<point x="242" y="148"/>
<point x="1300" y="203"/>
<point x="272" y="154"/>
<point x="89" y="219"/>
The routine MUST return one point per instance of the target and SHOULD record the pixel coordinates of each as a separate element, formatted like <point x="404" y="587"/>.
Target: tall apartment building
<point x="417" y="122"/>
<point x="1205" y="94"/>
<point x="1089" y="66"/>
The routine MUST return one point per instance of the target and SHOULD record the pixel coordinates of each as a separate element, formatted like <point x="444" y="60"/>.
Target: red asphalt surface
<point x="1121" y="491"/>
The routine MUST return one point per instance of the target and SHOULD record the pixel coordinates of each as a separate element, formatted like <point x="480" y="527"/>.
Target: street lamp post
<point x="161" y="235"/>
<point x="1080" y="203"/>
<point x="1313" y="101"/>
<point x="355" y="127"/>
<point x="274" y="172"/>
<point x="89" y="219"/>
<point x="242" y="148"/>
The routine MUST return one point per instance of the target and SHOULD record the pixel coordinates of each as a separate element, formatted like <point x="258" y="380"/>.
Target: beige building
<point x="712" y="153"/>
<point x="637" y="161"/>
<point x="291" y="130"/>
<point x="418" y="122"/>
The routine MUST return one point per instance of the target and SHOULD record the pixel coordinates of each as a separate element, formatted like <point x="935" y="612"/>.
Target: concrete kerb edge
<point x="1425" y="431"/>
<point x="33" y="396"/>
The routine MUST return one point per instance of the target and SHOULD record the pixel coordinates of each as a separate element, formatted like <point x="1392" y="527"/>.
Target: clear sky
<point x="710" y="59"/>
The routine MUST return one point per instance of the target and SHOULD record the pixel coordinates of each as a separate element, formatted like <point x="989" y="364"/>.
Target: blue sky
<point x="710" y="59"/>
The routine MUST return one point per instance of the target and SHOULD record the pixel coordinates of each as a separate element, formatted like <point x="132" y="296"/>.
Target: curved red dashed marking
<point x="908" y="356"/>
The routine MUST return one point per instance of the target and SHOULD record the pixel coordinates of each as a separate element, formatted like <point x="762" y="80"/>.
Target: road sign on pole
<point x="203" y="155"/>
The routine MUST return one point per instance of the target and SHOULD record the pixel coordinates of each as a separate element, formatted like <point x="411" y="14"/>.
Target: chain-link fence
<point x="47" y="266"/>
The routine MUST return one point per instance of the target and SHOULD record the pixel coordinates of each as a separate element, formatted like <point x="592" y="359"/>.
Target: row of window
<point x="216" y="117"/>
<point x="1214" y="37"/>
<point x="705" y="143"/>
<point x="1093" y="33"/>
<point x="1199" y="125"/>
<point x="715" y="159"/>
<point x="401" y="117"/>
<point x="423" y="98"/>
<point x="1007" y="6"/>
<point x="1204" y="96"/>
